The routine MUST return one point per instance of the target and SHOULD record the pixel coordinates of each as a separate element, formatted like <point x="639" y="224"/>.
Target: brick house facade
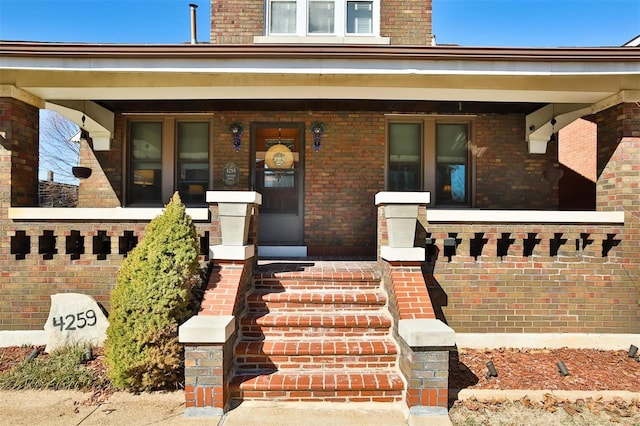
<point x="504" y="258"/>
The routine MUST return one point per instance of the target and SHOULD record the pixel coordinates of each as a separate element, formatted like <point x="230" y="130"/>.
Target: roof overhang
<point x="582" y="78"/>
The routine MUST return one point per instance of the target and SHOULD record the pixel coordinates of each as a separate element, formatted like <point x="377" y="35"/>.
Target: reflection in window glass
<point x="145" y="183"/>
<point x="359" y="17"/>
<point x="193" y="161"/>
<point x="321" y="17"/>
<point x="405" y="152"/>
<point x="283" y="17"/>
<point x="452" y="163"/>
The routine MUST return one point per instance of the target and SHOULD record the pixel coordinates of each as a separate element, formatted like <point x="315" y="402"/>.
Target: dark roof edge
<point x="315" y="51"/>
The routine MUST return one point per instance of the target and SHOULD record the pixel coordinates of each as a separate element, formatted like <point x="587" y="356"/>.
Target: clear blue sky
<point x="525" y="23"/>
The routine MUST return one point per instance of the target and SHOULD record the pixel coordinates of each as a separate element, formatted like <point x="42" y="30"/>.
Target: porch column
<point x="618" y="182"/>
<point x="19" y="144"/>
<point x="235" y="211"/>
<point x="399" y="212"/>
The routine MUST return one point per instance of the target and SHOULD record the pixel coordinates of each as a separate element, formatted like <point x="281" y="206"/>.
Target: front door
<point x="278" y="174"/>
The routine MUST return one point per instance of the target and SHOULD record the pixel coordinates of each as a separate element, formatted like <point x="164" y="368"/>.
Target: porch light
<point x="237" y="130"/>
<point x="81" y="172"/>
<point x="492" y="372"/>
<point x="317" y="128"/>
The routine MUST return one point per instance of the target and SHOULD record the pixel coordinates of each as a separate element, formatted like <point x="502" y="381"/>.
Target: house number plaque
<point x="230" y="174"/>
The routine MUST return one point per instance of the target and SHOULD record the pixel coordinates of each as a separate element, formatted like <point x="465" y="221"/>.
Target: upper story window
<point x="303" y="18"/>
<point x="433" y="155"/>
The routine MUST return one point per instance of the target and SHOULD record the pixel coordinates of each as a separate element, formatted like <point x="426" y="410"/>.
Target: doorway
<point x="278" y="174"/>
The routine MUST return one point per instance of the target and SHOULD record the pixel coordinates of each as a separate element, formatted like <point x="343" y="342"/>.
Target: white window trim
<point x="340" y="34"/>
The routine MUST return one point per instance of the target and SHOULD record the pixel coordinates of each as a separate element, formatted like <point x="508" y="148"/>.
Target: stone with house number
<point x="75" y="318"/>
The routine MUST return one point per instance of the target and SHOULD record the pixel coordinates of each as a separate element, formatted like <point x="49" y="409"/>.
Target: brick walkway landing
<point x="316" y="330"/>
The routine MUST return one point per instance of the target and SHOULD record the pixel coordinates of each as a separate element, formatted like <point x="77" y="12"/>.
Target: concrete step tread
<point x="322" y="319"/>
<point x="317" y="347"/>
<point x="319" y="297"/>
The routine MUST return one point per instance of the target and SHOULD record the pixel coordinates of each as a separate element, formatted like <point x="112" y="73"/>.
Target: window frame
<point x="429" y="153"/>
<point x="169" y="158"/>
<point x="340" y="20"/>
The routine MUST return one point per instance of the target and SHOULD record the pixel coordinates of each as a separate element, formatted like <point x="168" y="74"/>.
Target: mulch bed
<point x="537" y="369"/>
<point x="534" y="369"/>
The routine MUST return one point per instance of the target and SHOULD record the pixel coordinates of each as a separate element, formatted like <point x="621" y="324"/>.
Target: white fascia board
<point x="523" y="216"/>
<point x="323" y="66"/>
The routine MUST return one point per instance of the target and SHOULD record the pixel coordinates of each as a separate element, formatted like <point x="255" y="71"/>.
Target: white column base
<point x="226" y="252"/>
<point x="402" y="254"/>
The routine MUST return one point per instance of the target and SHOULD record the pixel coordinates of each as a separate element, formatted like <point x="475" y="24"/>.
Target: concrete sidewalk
<point x="74" y="408"/>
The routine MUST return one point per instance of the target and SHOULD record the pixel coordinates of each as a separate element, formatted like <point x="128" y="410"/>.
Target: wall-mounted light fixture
<point x="317" y="128"/>
<point x="237" y="130"/>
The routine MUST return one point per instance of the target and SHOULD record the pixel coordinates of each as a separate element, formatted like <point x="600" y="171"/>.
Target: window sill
<point x="321" y="40"/>
<point x="102" y="214"/>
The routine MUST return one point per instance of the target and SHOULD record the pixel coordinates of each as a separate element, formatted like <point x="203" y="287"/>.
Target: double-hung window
<point x="323" y="17"/>
<point x="431" y="154"/>
<point x="167" y="155"/>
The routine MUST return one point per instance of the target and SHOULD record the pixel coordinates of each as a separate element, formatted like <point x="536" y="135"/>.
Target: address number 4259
<point x="74" y="322"/>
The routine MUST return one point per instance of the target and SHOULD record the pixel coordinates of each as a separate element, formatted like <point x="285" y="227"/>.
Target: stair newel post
<point x="209" y="337"/>
<point x="423" y="340"/>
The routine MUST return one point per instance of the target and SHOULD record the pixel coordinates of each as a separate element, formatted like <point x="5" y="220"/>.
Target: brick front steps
<point x="316" y="336"/>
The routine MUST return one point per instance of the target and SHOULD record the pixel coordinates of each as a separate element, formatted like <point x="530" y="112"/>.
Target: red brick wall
<point x="577" y="147"/>
<point x="403" y="21"/>
<point x="236" y="22"/>
<point x="19" y="122"/>
<point x="406" y="21"/>
<point x="342" y="179"/>
<point x="507" y="176"/>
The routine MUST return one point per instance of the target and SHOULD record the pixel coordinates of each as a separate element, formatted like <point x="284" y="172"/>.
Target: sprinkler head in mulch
<point x="633" y="353"/>
<point x="491" y="370"/>
<point x="562" y="368"/>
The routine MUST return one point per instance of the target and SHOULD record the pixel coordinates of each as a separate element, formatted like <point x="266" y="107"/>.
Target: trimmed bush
<point x="150" y="300"/>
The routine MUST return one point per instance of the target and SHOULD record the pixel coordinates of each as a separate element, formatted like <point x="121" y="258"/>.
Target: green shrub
<point x="150" y="300"/>
<point x="63" y="369"/>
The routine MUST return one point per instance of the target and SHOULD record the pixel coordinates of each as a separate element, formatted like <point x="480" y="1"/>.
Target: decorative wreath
<point x="279" y="157"/>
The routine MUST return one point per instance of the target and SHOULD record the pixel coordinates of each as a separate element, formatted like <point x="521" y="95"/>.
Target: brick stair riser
<point x="318" y="396"/>
<point x="270" y="362"/>
<point x="262" y="307"/>
<point x="277" y="286"/>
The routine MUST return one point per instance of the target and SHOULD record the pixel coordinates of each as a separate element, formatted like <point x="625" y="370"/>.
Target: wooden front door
<point x="278" y="174"/>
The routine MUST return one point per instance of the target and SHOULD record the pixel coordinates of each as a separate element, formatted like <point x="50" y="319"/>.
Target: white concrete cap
<point x="402" y="254"/>
<point x="426" y="332"/>
<point x="227" y="252"/>
<point x="207" y="329"/>
<point x="247" y="197"/>
<point x="389" y="197"/>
